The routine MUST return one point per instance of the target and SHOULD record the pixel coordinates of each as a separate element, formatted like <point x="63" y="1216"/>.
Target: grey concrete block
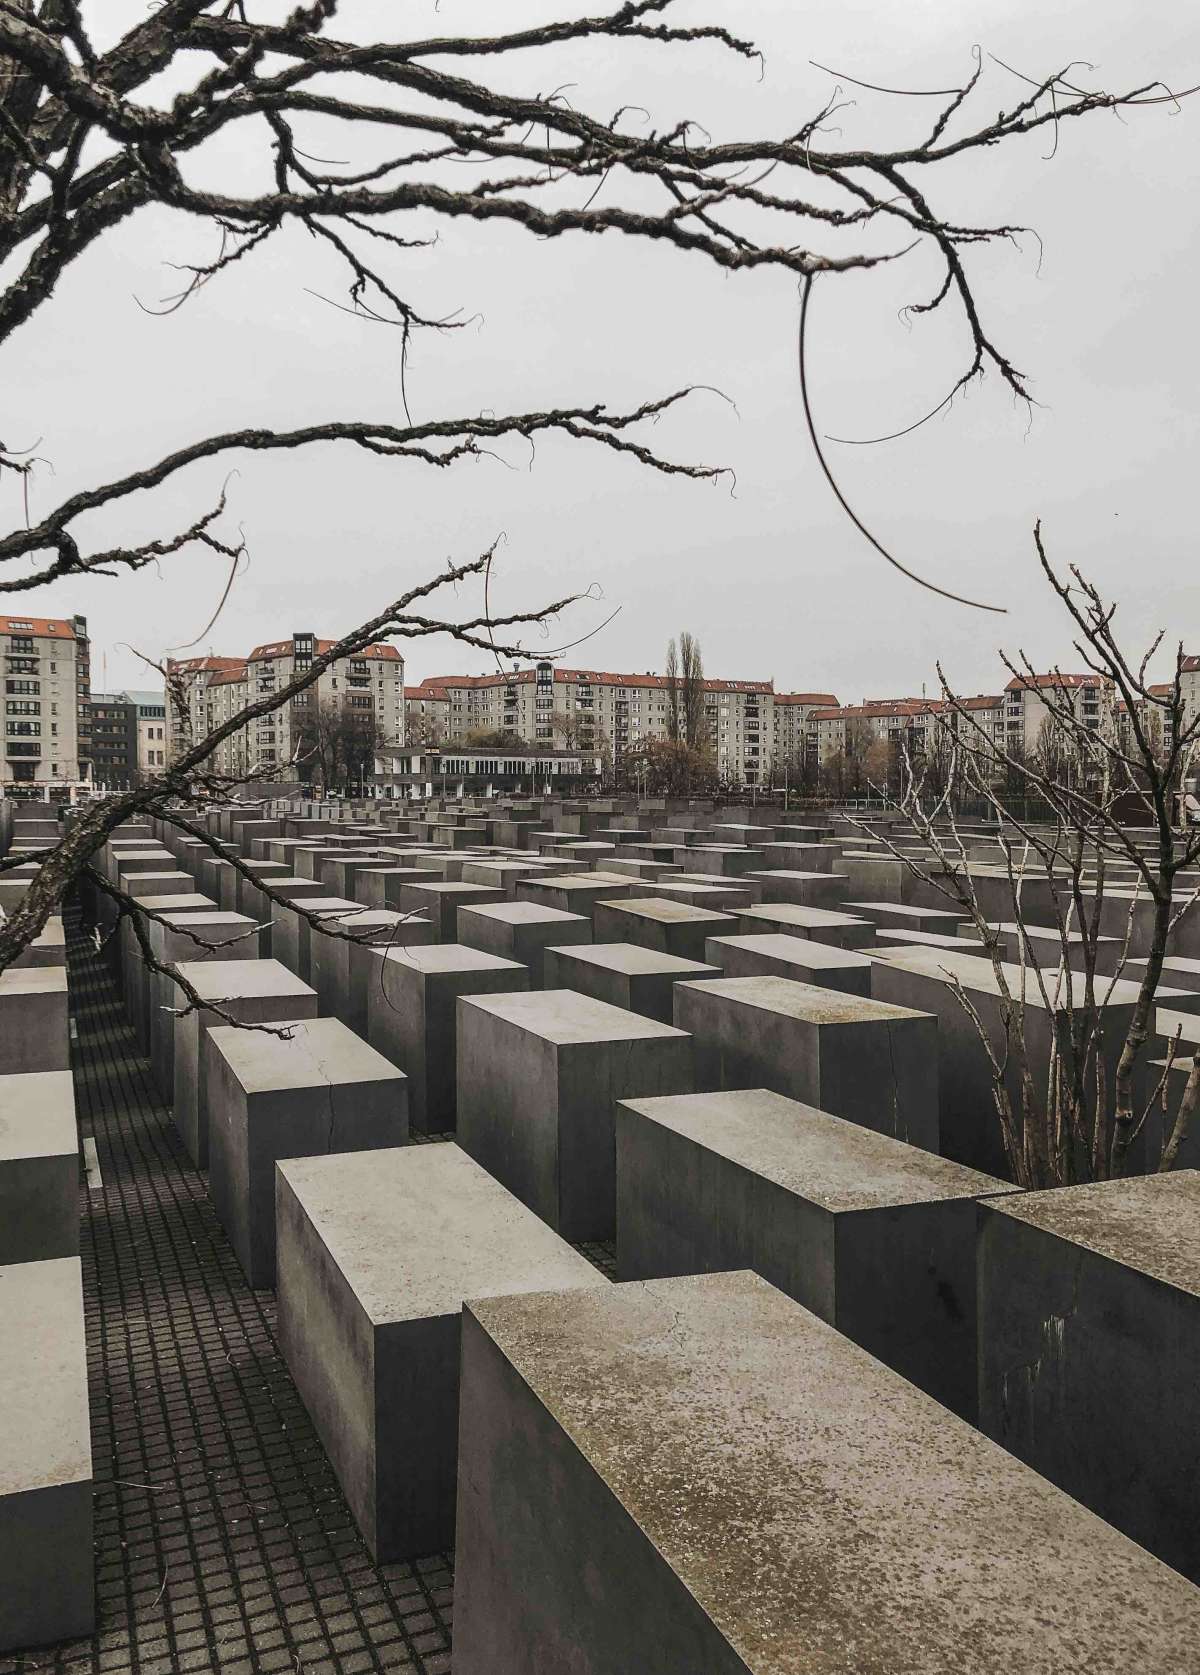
<point x="842" y="930"/>
<point x="521" y="931"/>
<point x="49" y="948"/>
<point x="1089" y="1349"/>
<point x="46" y="1557"/>
<point x="292" y="933"/>
<point x="412" y="1018"/>
<point x="874" y="1236"/>
<point x="698" y="1475"/>
<point x="662" y="925"/>
<point x="576" y="892"/>
<point x="859" y="1059"/>
<point x="33" y="1020"/>
<point x="537" y="1077"/>
<point x="249" y="992"/>
<point x="376" y="1254"/>
<point x="321" y="1090"/>
<point x="439" y="901"/>
<point x="625" y="975"/>
<point x="802" y="889"/>
<point x="222" y="936"/>
<point x="341" y="969"/>
<point x="39" y="1167"/>
<point x="797" y="957"/>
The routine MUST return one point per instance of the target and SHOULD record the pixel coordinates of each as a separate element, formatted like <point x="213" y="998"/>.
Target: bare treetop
<point x="88" y="138"/>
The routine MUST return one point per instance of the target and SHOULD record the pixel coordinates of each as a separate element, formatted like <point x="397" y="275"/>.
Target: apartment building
<point x="207" y="691"/>
<point x="910" y="722"/>
<point x="793" y="730"/>
<point x="151" y="730"/>
<point x="426" y="715"/>
<point x="1030" y="702"/>
<point x="588" y="708"/>
<point x="47" y="685"/>
<point x="113" y="727"/>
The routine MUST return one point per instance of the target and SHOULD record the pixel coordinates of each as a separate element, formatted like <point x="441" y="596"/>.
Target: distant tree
<point x="491" y="738"/>
<point x="674" y="707"/>
<point x="420" y="730"/>
<point x="566" y="727"/>
<point x="691" y="678"/>
<point x="668" y="768"/>
<point x="336" y="746"/>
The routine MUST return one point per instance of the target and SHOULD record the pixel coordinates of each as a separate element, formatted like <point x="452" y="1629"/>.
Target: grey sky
<point x="772" y="579"/>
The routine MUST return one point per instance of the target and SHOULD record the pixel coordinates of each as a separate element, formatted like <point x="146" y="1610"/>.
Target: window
<point x="31" y="729"/>
<point x="34" y="686"/>
<point x="22" y="706"/>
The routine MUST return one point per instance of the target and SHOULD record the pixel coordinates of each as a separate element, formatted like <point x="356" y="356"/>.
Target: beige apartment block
<point x="206" y="692"/>
<point x="46" y="688"/>
<point x="563" y="709"/>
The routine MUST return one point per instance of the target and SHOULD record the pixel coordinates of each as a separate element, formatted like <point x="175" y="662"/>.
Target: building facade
<point x="903" y="723"/>
<point x="113" y="732"/>
<point x="591" y="709"/>
<point x="47" y="685"/>
<point x="1030" y="702"/>
<point x="205" y="692"/>
<point x="152" y="731"/>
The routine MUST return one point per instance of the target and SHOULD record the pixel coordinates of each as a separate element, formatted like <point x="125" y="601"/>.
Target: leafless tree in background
<point x="89" y="139"/>
<point x="1111" y="787"/>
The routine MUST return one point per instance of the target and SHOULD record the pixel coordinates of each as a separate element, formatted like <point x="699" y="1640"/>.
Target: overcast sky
<point x="772" y="579"/>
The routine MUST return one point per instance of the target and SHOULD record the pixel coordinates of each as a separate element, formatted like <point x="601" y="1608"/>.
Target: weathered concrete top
<point x="236" y="979"/>
<point x="665" y="912"/>
<point x="45" y="1438"/>
<point x="320" y="1052"/>
<point x="435" y="958"/>
<point x="827" y="1515"/>
<point x="33" y="980"/>
<point x="898" y="910"/>
<point x="977" y="972"/>
<point x="331" y="905"/>
<point x="416" y="1229"/>
<point x="806" y="1001"/>
<point x="37" y="1115"/>
<point x="838" y="1165"/>
<point x="1169" y="1023"/>
<point x="526" y="913"/>
<point x="778" y="946"/>
<point x="231" y="922"/>
<point x="566" y="1018"/>
<point x="632" y="960"/>
<point x="190" y="902"/>
<point x="804" y="918"/>
<point x="1149" y="1222"/>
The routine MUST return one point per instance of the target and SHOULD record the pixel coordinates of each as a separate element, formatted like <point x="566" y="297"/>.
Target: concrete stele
<point x="46" y="1556"/>
<point x="875" y="1236"/>
<point x="376" y="1253"/>
<point x="537" y="1077"/>
<point x="39" y="1168"/>
<point x="322" y="1089"/>
<point x="1089" y="1349"/>
<point x="699" y="1475"/>
<point x="871" y="1063"/>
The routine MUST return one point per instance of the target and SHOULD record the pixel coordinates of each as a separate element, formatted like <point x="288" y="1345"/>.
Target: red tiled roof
<point x="44" y="627"/>
<point x="1025" y="683"/>
<point x="198" y="665"/>
<point x="588" y="677"/>
<point x="827" y="700"/>
<point x="283" y="648"/>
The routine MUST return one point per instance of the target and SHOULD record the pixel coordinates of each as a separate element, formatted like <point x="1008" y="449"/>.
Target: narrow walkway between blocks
<point x="223" y="1542"/>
